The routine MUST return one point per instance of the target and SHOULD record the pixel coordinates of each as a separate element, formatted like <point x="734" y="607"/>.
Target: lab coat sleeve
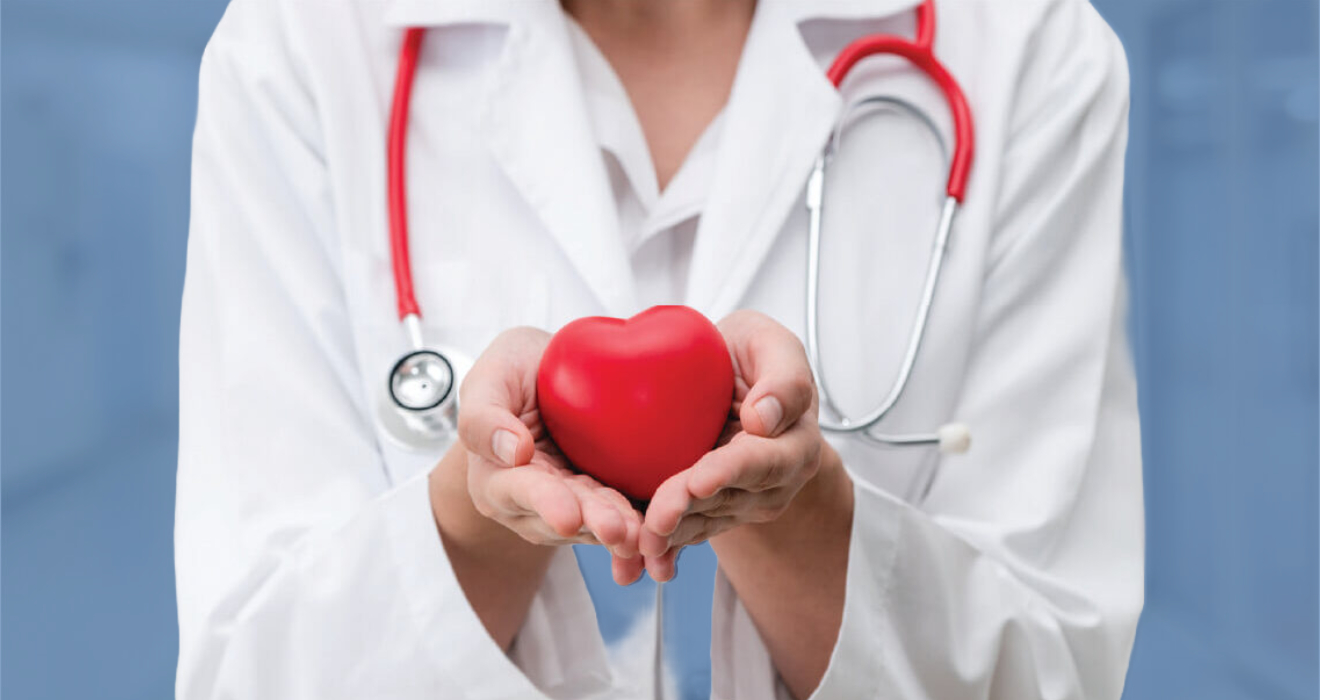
<point x="1021" y="573"/>
<point x="302" y="571"/>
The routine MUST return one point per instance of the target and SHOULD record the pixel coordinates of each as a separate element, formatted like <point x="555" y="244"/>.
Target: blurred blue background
<point x="98" y="106"/>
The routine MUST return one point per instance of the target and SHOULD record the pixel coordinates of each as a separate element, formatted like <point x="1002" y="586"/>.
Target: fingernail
<point x="770" y="412"/>
<point x="505" y="446"/>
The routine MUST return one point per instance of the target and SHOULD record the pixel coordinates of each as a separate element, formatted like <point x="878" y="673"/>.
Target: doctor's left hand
<point x="771" y="447"/>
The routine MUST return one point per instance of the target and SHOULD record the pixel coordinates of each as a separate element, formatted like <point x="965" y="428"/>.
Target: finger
<point x="629" y="547"/>
<point x="692" y="528"/>
<point x="749" y="463"/>
<point x="604" y="520"/>
<point x="774" y="364"/>
<point x="498" y="389"/>
<point x="651" y="544"/>
<point x="627" y="570"/>
<point x="696" y="529"/>
<point x="534" y="529"/>
<point x="731" y="501"/>
<point x="663" y="567"/>
<point x="495" y="434"/>
<point x="665" y="525"/>
<point x="608" y="514"/>
<point x="530" y="491"/>
<point x="631" y="518"/>
<point x="757" y="464"/>
<point x="668" y="505"/>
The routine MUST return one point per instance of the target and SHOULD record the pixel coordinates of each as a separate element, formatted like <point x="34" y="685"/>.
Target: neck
<point x="676" y="59"/>
<point x="659" y="21"/>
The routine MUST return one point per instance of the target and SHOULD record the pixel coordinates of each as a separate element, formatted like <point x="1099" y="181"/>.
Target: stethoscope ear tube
<point x="950" y="438"/>
<point x="953" y="437"/>
<point x="920" y="52"/>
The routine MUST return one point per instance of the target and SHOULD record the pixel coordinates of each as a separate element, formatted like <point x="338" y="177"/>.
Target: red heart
<point x="633" y="402"/>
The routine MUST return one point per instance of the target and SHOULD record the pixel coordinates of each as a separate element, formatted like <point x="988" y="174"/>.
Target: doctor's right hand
<point x="516" y="475"/>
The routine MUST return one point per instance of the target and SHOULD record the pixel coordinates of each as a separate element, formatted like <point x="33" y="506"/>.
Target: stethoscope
<point x="950" y="437"/>
<point x="422" y="382"/>
<point x="422" y="388"/>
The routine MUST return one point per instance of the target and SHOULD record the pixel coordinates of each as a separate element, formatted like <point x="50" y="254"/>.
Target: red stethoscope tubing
<point x="919" y="51"/>
<point x="397" y="174"/>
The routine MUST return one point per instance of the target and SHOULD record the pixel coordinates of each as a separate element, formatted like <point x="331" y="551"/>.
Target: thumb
<point x="496" y="391"/>
<point x="774" y="364"/>
<point x="494" y="433"/>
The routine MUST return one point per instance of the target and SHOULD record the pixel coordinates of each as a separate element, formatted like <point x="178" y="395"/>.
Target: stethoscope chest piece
<point x="421" y="381"/>
<point x="419" y="408"/>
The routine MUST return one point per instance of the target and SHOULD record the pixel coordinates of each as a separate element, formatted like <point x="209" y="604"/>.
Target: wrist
<point x="801" y="557"/>
<point x="498" y="571"/>
<point x="829" y="493"/>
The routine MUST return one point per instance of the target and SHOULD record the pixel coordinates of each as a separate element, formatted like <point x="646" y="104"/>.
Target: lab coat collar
<point x="780" y="114"/>
<point x="799" y="11"/>
<point x="432" y="13"/>
<point x="438" y="13"/>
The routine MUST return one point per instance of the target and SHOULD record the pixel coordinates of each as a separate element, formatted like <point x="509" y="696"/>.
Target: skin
<point x="772" y="498"/>
<point x="500" y="524"/>
<point x="676" y="61"/>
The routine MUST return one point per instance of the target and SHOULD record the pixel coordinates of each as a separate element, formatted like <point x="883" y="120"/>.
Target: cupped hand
<point x="516" y="474"/>
<point x="770" y="448"/>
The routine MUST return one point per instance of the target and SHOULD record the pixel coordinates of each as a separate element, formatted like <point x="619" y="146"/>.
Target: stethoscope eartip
<point x="955" y="438"/>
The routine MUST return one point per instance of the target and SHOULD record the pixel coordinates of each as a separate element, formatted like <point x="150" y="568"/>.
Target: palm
<point x="549" y="459"/>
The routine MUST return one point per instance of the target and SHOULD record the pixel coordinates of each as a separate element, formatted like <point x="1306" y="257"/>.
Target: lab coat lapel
<point x="537" y="126"/>
<point x="533" y="117"/>
<point x="779" y="116"/>
<point x="780" y="112"/>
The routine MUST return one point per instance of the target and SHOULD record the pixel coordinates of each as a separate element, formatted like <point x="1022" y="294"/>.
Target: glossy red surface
<point x="632" y="402"/>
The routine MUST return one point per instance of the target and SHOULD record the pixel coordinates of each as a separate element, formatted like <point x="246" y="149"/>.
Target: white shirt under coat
<point x="308" y="562"/>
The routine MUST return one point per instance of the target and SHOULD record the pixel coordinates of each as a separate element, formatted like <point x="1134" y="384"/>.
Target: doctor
<point x="597" y="157"/>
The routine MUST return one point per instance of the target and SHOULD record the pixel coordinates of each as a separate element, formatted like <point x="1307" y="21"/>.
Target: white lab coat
<point x="308" y="561"/>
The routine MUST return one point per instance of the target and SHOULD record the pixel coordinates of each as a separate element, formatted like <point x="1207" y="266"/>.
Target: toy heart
<point x="633" y="402"/>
